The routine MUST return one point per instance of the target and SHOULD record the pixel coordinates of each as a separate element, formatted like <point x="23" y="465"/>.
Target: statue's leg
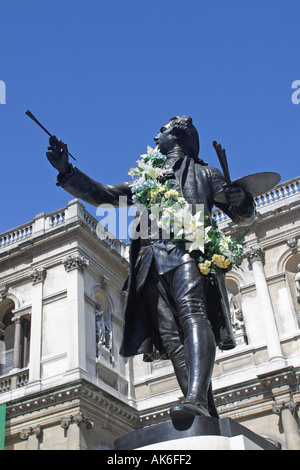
<point x="188" y="288"/>
<point x="177" y="304"/>
<point x="199" y="357"/>
<point x="165" y="326"/>
<point x="211" y="403"/>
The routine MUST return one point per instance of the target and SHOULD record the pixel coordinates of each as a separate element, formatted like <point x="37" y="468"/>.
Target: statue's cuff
<point x="62" y="179"/>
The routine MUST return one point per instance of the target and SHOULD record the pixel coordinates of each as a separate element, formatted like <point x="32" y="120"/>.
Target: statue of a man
<point x="171" y="308"/>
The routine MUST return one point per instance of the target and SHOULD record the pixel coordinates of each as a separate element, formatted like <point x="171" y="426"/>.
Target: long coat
<point x="198" y="184"/>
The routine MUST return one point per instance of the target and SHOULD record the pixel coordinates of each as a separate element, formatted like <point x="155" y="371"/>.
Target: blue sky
<point x="104" y="75"/>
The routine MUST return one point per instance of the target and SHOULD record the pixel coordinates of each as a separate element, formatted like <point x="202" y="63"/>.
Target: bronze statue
<point x="172" y="311"/>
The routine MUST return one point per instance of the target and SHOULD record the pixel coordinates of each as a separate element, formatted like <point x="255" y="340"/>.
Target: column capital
<point x="17" y="319"/>
<point x="26" y="432"/>
<point x="83" y="419"/>
<point x="66" y="421"/>
<point x="289" y="405"/>
<point x="254" y="253"/>
<point x="277" y="407"/>
<point x="37" y="275"/>
<point x="75" y="261"/>
<point x="78" y="419"/>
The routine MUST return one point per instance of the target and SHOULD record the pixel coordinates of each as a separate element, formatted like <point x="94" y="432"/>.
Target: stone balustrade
<point x="278" y="196"/>
<point x="46" y="223"/>
<point x="43" y="223"/>
<point x="14" y="380"/>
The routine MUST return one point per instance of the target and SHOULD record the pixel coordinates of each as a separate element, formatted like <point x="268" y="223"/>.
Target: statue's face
<point x="165" y="140"/>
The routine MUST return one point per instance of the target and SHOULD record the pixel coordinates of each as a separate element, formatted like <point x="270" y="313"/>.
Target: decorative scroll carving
<point x="103" y="281"/>
<point x="278" y="407"/>
<point x="3" y="290"/>
<point x="26" y="432"/>
<point x="79" y="419"/>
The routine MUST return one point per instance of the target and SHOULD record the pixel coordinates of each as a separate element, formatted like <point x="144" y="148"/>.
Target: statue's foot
<point x="188" y="410"/>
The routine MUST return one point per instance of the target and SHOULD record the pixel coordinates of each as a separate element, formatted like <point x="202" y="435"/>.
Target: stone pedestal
<point x="198" y="433"/>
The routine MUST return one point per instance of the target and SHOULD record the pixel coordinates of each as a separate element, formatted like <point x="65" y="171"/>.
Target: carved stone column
<point x="255" y="258"/>
<point x="74" y="266"/>
<point x="17" y="342"/>
<point x="33" y="436"/>
<point x="2" y="345"/>
<point x="287" y="412"/>
<point x="37" y="276"/>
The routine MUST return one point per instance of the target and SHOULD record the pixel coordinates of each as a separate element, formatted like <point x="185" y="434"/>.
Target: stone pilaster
<point x="17" y="342"/>
<point x="33" y="436"/>
<point x="74" y="266"/>
<point x="37" y="276"/>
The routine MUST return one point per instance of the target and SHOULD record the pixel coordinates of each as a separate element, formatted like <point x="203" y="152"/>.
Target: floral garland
<point x="172" y="214"/>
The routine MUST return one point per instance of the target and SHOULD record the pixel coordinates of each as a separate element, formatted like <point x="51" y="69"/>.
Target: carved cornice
<point x="81" y="390"/>
<point x="265" y="383"/>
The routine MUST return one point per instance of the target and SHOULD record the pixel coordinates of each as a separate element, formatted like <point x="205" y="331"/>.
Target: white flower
<point x="148" y="169"/>
<point x="198" y="243"/>
<point x="133" y="172"/>
<point x="191" y="224"/>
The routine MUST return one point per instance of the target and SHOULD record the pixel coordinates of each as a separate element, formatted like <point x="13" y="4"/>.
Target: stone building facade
<point x="63" y="382"/>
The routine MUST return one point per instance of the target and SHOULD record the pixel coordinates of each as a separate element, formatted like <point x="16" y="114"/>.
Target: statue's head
<point x="179" y="131"/>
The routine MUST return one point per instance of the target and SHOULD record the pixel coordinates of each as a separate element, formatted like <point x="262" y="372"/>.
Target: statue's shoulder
<point x="210" y="171"/>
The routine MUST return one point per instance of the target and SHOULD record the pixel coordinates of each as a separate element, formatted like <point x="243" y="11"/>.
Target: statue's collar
<point x="173" y="163"/>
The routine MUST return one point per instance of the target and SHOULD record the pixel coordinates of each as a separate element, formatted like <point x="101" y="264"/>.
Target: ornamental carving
<point x="254" y="253"/>
<point x="278" y="407"/>
<point x="78" y="419"/>
<point x="25" y="433"/>
<point x="75" y="262"/>
<point x="37" y="275"/>
<point x="3" y="290"/>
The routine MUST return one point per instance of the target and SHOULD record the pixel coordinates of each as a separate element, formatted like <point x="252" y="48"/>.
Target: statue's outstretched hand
<point x="57" y="154"/>
<point x="235" y="195"/>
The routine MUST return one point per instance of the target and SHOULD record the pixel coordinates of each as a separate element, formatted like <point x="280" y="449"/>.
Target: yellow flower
<point x="153" y="193"/>
<point x="204" y="267"/>
<point x="221" y="261"/>
<point x="171" y="192"/>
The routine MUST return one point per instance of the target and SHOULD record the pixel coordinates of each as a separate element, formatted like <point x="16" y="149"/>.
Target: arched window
<point x="14" y="338"/>
<point x="7" y="335"/>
